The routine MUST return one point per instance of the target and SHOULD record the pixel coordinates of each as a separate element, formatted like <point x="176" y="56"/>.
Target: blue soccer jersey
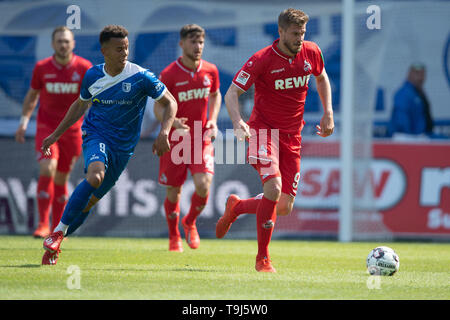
<point x="118" y="103"/>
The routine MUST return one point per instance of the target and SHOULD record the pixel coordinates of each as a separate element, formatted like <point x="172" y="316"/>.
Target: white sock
<point x="61" y="227"/>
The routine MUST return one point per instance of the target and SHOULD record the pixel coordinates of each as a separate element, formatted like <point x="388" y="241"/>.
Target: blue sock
<point x="77" y="202"/>
<point x="79" y="220"/>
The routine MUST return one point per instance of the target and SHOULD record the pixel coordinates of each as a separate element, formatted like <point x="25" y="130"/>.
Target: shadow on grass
<point x="187" y="269"/>
<point x="23" y="266"/>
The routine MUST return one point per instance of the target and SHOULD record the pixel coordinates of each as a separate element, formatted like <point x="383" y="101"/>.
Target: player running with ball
<point x="195" y="85"/>
<point x="280" y="73"/>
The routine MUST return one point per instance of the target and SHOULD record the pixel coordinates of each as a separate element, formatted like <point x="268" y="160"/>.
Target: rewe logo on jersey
<point x="61" y="87"/>
<point x="289" y="83"/>
<point x="193" y="94"/>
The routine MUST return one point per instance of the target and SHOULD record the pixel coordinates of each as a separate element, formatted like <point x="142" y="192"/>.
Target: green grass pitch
<point x="127" y="268"/>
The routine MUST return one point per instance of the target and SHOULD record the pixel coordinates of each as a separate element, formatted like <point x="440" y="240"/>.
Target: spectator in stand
<point x="411" y="116"/>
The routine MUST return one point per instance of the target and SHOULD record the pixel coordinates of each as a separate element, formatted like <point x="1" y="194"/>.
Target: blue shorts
<point x="95" y="149"/>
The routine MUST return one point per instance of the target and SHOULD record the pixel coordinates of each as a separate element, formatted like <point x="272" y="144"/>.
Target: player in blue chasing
<point x="116" y="94"/>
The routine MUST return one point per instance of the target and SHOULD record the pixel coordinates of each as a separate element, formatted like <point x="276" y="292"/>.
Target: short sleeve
<point x="154" y="87"/>
<point x="215" y="80"/>
<point x="85" y="95"/>
<point x="166" y="79"/>
<point x="249" y="72"/>
<point x="36" y="79"/>
<point x="318" y="63"/>
<point x="87" y="66"/>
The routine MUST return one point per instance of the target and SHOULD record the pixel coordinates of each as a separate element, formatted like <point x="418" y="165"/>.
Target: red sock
<point x="172" y="217"/>
<point x="265" y="222"/>
<point x="59" y="203"/>
<point x="248" y="205"/>
<point x="44" y="198"/>
<point x="197" y="205"/>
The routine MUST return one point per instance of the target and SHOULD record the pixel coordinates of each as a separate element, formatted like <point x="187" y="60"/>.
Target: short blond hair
<point x="60" y="29"/>
<point x="292" y="16"/>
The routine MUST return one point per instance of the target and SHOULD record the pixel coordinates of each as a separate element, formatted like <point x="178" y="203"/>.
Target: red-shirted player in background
<point x="56" y="84"/>
<point x="280" y="73"/>
<point x="195" y="85"/>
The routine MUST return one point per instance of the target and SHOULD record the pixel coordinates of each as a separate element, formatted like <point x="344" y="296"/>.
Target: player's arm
<point x="29" y="104"/>
<point x="178" y="123"/>
<point x="75" y="112"/>
<point x="326" y="127"/>
<point x="169" y="105"/>
<point x="241" y="129"/>
<point x="214" y="102"/>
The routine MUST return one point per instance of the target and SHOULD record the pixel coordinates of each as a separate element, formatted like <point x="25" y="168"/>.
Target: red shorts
<point x="275" y="154"/>
<point x="173" y="165"/>
<point x="66" y="150"/>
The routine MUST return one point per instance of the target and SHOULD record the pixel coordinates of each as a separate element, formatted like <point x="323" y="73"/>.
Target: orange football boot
<point x="191" y="234"/>
<point x="175" y="244"/>
<point x="42" y="231"/>
<point x="264" y="265"/>
<point x="224" y="223"/>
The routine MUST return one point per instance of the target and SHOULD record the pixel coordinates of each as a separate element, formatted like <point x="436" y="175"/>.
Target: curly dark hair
<point x="112" y="31"/>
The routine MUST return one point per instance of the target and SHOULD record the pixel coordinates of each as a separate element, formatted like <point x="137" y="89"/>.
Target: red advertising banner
<point x="404" y="191"/>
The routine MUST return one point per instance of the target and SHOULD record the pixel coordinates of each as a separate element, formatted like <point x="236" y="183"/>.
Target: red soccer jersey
<point x="191" y="89"/>
<point x="59" y="87"/>
<point x="281" y="85"/>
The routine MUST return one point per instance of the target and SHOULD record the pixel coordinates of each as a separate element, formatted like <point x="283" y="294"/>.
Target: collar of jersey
<point x="107" y="81"/>
<point x="186" y="69"/>
<point x="60" y="66"/>
<point x="110" y="76"/>
<point x="280" y="53"/>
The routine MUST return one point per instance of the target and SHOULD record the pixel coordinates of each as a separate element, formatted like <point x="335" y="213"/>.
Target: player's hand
<point x="241" y="130"/>
<point x="20" y="134"/>
<point x="161" y="144"/>
<point x="180" y="126"/>
<point x="211" y="130"/>
<point x="326" y="126"/>
<point x="51" y="139"/>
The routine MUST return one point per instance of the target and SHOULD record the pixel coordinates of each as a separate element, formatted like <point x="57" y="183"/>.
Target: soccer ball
<point x="382" y="261"/>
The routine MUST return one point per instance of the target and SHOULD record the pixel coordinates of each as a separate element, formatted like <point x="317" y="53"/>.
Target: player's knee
<point x="202" y="190"/>
<point x="47" y="167"/>
<point x="173" y="194"/>
<point x="95" y="178"/>
<point x="61" y="178"/>
<point x="272" y="192"/>
<point x="202" y="184"/>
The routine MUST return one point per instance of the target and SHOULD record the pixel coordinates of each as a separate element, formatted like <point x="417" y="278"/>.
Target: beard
<point x="63" y="54"/>
<point x="193" y="56"/>
<point x="292" y="48"/>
